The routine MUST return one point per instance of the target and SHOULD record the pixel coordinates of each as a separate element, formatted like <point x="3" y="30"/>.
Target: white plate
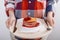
<point x="41" y="27"/>
<point x="41" y="33"/>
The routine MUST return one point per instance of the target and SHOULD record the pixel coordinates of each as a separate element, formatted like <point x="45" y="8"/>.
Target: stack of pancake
<point x="30" y="22"/>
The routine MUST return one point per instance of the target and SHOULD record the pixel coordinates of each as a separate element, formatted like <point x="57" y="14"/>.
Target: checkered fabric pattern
<point x="24" y="8"/>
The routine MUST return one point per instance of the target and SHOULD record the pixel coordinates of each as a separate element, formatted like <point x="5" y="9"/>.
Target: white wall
<point x="4" y="33"/>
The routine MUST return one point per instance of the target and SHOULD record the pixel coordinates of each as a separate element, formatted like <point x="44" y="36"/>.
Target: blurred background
<point x="5" y="35"/>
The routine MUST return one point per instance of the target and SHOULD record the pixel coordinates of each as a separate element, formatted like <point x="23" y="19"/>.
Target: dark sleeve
<point x="49" y="6"/>
<point x="9" y="4"/>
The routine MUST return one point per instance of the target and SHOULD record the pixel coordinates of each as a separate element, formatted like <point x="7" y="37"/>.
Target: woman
<point x="21" y="8"/>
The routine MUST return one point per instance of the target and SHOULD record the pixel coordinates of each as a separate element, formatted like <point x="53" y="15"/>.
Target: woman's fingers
<point x="13" y="22"/>
<point x="50" y="21"/>
<point x="10" y="22"/>
<point x="7" y="23"/>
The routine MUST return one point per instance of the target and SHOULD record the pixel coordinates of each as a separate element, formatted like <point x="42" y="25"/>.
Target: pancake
<point x="30" y="22"/>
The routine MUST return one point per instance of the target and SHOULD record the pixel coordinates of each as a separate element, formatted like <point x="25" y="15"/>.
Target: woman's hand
<point x="50" y="18"/>
<point x="10" y="21"/>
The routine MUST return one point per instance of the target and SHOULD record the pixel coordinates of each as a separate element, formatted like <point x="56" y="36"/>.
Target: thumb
<point x="13" y="22"/>
<point x="7" y="23"/>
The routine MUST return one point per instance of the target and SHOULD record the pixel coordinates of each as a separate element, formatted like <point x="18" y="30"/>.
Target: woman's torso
<point x="29" y="6"/>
